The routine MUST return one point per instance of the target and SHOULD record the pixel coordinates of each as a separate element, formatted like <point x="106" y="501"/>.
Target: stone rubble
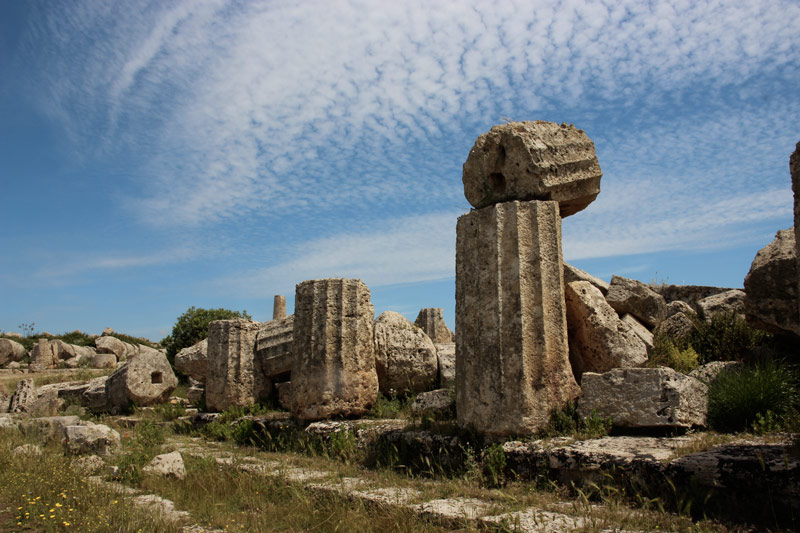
<point x="405" y="357"/>
<point x="637" y="298"/>
<point x="144" y="380"/>
<point x="192" y="361"/>
<point x="431" y="321"/>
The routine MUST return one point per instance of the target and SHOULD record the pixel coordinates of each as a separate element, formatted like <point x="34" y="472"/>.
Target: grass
<point x="764" y="394"/>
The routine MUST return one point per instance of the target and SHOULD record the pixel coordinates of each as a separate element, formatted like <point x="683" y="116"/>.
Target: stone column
<point x="231" y="374"/>
<point x="431" y="321"/>
<point x="279" y="307"/>
<point x="333" y="368"/>
<point x="513" y="365"/>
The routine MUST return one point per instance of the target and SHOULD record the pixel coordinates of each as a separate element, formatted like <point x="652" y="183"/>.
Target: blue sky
<point x="157" y="155"/>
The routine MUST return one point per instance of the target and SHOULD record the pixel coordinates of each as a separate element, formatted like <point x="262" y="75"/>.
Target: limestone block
<point x="598" y="339"/>
<point x="145" y="380"/>
<point x="645" y="397"/>
<point x="10" y="350"/>
<point x="634" y="297"/>
<point x="166" y="465"/>
<point x="42" y="356"/>
<point x="679" y="306"/>
<point x="104" y="360"/>
<point x="274" y="347"/>
<point x="192" y="360"/>
<point x="438" y="403"/>
<point x="731" y="301"/>
<point x="513" y="365"/>
<point x="333" y="368"/>
<point x="96" y="439"/>
<point x="709" y="372"/>
<point x="533" y="161"/>
<point x="23" y="397"/>
<point x="284" y="391"/>
<point x="405" y="357"/>
<point x="231" y="377"/>
<point x="122" y="350"/>
<point x="572" y="273"/>
<point x="195" y="393"/>
<point x="771" y="287"/>
<point x="678" y="323"/>
<point x="50" y="428"/>
<point x="641" y="331"/>
<point x="431" y="320"/>
<point x="279" y="307"/>
<point x="446" y="355"/>
<point x="95" y="396"/>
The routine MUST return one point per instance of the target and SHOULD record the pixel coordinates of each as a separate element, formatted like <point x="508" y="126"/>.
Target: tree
<point x="192" y="327"/>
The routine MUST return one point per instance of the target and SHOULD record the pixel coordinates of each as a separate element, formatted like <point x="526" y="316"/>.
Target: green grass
<point x="764" y="393"/>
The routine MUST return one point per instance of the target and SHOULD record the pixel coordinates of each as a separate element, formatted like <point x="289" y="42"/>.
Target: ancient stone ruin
<point x="513" y="365"/>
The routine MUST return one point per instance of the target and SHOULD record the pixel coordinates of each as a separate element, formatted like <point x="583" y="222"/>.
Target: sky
<point x="214" y="153"/>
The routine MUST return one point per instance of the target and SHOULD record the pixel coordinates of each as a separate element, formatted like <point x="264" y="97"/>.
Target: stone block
<point x="572" y="273"/>
<point x="231" y="376"/>
<point x="513" y="365"/>
<point x="333" y="368"/>
<point x="405" y="357"/>
<point x="771" y="287"/>
<point x="533" y="161"/>
<point x="634" y="297"/>
<point x="598" y="339"/>
<point x="431" y="321"/>
<point x="192" y="361"/>
<point x="731" y="301"/>
<point x="42" y="356"/>
<point x="446" y="355"/>
<point x="645" y="398"/>
<point x="274" y="346"/>
<point x="145" y="380"/>
<point x="10" y="350"/>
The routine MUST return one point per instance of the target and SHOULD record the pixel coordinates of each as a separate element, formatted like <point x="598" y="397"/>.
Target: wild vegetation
<point x="192" y="327"/>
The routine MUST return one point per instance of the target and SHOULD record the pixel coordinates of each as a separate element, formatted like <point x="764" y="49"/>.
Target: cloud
<point x="406" y="250"/>
<point x="242" y="108"/>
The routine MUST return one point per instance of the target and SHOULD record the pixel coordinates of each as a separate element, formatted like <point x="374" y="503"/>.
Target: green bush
<point x="726" y="337"/>
<point x="567" y="422"/>
<point x="192" y="327"/>
<point x="666" y="353"/>
<point x="757" y="396"/>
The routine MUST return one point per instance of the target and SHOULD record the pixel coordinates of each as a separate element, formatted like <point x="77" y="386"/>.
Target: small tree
<point x="192" y="327"/>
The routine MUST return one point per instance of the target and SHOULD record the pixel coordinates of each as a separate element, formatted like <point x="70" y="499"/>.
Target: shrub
<point x="567" y="422"/>
<point x="726" y="337"/>
<point x="192" y="327"/>
<point x="666" y="353"/>
<point x="759" y="394"/>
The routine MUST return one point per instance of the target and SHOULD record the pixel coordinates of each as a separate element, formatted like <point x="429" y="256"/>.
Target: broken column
<point x="231" y="376"/>
<point x="333" y="368"/>
<point x="279" y="307"/>
<point x="513" y="365"/>
<point x="431" y="321"/>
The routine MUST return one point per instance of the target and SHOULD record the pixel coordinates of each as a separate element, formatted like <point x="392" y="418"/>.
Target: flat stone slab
<point x="454" y="510"/>
<point x="387" y="495"/>
<point x="535" y="521"/>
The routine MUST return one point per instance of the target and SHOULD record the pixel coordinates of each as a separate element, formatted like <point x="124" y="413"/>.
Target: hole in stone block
<point x="156" y="377"/>
<point x="497" y="182"/>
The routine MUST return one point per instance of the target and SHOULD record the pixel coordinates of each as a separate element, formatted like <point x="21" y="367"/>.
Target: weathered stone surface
<point x="51" y="428"/>
<point x="195" y="393"/>
<point x="47" y="403"/>
<point x="333" y="368"/>
<point x="42" y="356"/>
<point x="641" y="331"/>
<point x="709" y="372"/>
<point x="10" y="350"/>
<point x="279" y="307"/>
<point x="771" y="287"/>
<point x="231" y="377"/>
<point x="637" y="298"/>
<point x="166" y="465"/>
<point x="437" y="403"/>
<point x="104" y="360"/>
<point x="95" y="397"/>
<point x="94" y="439"/>
<point x="284" y="391"/>
<point x="513" y="365"/>
<point x="431" y="320"/>
<point x="405" y="357"/>
<point x="192" y="360"/>
<point x="23" y="397"/>
<point x="731" y="301"/>
<point x="645" y="397"/>
<point x="689" y="294"/>
<point x="679" y="323"/>
<point x="31" y="450"/>
<point x="572" y="273"/>
<point x="13" y="334"/>
<point x="598" y="339"/>
<point x="533" y="161"/>
<point x="446" y="355"/>
<point x="274" y="347"/>
<point x="122" y="350"/>
<point x="88" y="464"/>
<point x="145" y="380"/>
